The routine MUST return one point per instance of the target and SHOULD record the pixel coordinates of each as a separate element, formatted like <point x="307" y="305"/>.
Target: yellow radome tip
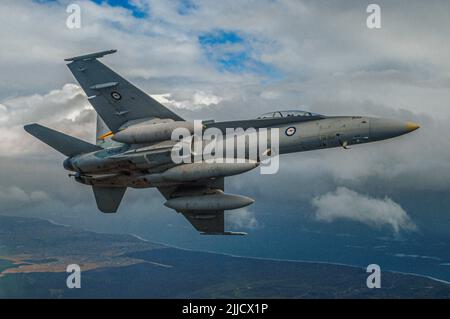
<point x="411" y="126"/>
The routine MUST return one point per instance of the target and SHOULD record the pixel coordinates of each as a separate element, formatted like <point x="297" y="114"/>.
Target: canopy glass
<point x="281" y="114"/>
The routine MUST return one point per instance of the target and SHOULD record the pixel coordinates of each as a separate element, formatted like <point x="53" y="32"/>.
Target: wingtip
<point x="94" y="55"/>
<point x="225" y="233"/>
<point x="27" y="127"/>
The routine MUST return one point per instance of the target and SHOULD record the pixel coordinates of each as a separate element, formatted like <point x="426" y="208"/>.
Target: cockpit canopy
<point x="283" y="114"/>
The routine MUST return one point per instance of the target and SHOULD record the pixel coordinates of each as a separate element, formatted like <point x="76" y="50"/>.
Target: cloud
<point x="198" y="100"/>
<point x="64" y="109"/>
<point x="138" y="8"/>
<point x="243" y="218"/>
<point x="232" y="52"/>
<point x="52" y="106"/>
<point x="14" y="197"/>
<point x="346" y="204"/>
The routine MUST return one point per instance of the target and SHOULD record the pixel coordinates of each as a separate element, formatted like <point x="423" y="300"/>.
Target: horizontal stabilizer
<point x="108" y="198"/>
<point x="61" y="142"/>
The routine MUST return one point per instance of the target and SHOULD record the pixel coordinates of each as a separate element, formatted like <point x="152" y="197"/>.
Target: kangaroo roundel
<point x="290" y="131"/>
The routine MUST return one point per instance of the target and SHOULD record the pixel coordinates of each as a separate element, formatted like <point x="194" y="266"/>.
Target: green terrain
<point x="34" y="255"/>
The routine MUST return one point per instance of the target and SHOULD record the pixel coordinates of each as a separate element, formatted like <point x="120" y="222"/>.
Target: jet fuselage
<point x="126" y="165"/>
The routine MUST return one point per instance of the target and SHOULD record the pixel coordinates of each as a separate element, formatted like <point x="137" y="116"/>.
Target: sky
<point x="239" y="59"/>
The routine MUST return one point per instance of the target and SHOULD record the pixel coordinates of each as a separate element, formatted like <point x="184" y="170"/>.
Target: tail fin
<point x="108" y="198"/>
<point x="61" y="142"/>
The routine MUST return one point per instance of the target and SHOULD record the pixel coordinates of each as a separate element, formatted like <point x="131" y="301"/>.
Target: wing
<point x="207" y="222"/>
<point x="210" y="222"/>
<point x="116" y="100"/>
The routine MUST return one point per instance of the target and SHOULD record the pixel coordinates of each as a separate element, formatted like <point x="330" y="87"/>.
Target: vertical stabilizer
<point x="108" y="198"/>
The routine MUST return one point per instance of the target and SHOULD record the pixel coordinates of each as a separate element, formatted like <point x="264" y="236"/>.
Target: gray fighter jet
<point x="134" y="146"/>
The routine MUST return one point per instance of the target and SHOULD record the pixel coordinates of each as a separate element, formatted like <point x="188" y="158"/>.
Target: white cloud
<point x="53" y="106"/>
<point x="344" y="203"/>
<point x="243" y="218"/>
<point x="197" y="101"/>
<point x="14" y="197"/>
<point x="64" y="109"/>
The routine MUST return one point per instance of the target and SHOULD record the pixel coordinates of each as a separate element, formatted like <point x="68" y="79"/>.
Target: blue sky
<point x="186" y="7"/>
<point x="227" y="50"/>
<point x="233" y="52"/>
<point x="135" y="10"/>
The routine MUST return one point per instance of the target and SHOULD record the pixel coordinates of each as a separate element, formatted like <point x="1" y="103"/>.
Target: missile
<point x="217" y="201"/>
<point x="148" y="133"/>
<point x="201" y="170"/>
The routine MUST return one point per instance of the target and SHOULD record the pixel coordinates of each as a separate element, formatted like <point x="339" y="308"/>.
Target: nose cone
<point x="381" y="129"/>
<point x="411" y="126"/>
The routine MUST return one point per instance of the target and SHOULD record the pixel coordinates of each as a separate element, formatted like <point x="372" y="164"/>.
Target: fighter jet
<point x="135" y="145"/>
